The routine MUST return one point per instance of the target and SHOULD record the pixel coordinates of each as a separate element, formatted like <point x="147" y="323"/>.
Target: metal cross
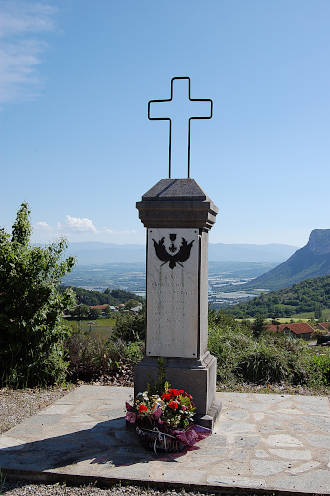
<point x="170" y="120"/>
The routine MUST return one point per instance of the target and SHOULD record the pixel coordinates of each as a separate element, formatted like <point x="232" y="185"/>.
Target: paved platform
<point x="268" y="442"/>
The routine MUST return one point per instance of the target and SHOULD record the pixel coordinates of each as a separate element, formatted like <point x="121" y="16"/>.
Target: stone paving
<point x="277" y="442"/>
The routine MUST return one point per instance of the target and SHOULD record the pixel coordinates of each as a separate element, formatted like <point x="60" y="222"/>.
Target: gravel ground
<point x="16" y="405"/>
<point x="28" y="489"/>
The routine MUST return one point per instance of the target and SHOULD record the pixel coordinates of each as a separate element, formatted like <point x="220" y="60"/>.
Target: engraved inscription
<point x="172" y="294"/>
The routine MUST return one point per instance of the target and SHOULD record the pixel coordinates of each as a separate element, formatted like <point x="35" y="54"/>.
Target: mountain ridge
<point x="310" y="261"/>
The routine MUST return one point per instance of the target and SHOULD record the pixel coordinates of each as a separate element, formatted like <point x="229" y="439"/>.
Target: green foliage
<point x="131" y="304"/>
<point x="80" y="312"/>
<point x="322" y="364"/>
<point x="308" y="296"/>
<point x="265" y="359"/>
<point x="92" y="358"/>
<point x="258" y="326"/>
<point x="114" y="297"/>
<point x="94" y="313"/>
<point x="31" y="328"/>
<point x="130" y="327"/>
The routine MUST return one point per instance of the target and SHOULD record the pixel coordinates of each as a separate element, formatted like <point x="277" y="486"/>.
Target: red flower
<point x="142" y="408"/>
<point x="174" y="392"/>
<point x="173" y="405"/>
<point x="166" y="396"/>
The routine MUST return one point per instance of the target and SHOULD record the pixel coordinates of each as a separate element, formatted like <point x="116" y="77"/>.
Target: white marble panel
<point x="172" y="292"/>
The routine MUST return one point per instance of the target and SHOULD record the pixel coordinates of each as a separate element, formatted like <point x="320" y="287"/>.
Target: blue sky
<point x="75" y="141"/>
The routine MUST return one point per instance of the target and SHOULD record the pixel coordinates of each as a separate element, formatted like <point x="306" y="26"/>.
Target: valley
<point x="131" y="277"/>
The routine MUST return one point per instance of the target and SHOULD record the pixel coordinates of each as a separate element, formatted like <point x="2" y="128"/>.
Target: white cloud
<point x="42" y="225"/>
<point x="79" y="224"/>
<point x="20" y="53"/>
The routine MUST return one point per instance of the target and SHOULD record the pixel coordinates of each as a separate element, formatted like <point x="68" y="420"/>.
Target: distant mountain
<point x="273" y="253"/>
<point x="313" y="260"/>
<point x="95" y="253"/>
<point x="305" y="296"/>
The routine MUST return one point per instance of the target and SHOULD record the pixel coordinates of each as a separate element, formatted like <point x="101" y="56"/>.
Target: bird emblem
<point x="181" y="256"/>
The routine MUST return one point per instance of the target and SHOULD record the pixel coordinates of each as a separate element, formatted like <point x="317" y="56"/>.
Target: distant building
<point x="137" y="308"/>
<point x="323" y="326"/>
<point x="296" y="329"/>
<point x="99" y="307"/>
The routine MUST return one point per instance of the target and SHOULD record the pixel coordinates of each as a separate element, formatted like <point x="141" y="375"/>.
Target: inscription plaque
<point x="172" y="292"/>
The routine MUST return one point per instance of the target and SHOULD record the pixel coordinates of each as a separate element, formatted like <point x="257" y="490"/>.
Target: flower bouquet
<point x="165" y="421"/>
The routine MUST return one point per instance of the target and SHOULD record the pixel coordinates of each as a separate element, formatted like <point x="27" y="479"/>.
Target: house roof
<point x="99" y="307"/>
<point x="296" y="327"/>
<point x="324" y="325"/>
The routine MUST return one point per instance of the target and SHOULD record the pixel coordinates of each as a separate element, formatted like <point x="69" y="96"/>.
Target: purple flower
<point x="131" y="417"/>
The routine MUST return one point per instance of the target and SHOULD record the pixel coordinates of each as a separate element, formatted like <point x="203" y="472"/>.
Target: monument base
<point x="196" y="376"/>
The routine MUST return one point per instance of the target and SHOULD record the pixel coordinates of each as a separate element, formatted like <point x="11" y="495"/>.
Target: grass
<point x="310" y="315"/>
<point x="102" y="328"/>
<point x="282" y="320"/>
<point x="298" y="317"/>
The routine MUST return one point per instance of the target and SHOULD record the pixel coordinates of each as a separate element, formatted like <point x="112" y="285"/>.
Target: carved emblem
<point x="178" y="258"/>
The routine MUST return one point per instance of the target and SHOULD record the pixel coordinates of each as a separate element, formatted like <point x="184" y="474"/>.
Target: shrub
<point x="130" y="327"/>
<point x="31" y="329"/>
<point x="92" y="358"/>
<point x="263" y="363"/>
<point x="270" y="358"/>
<point x="322" y="365"/>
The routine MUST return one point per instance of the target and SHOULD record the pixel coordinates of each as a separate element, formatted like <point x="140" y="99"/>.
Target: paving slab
<point x="270" y="442"/>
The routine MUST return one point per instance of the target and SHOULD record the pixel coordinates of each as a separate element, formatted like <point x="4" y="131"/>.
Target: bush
<point x="31" y="329"/>
<point x="263" y="363"/>
<point x="130" y="327"/>
<point x="270" y="358"/>
<point x="92" y="358"/>
<point x="322" y="366"/>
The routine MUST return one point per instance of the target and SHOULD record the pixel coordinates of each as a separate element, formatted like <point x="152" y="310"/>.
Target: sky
<point x="76" y="142"/>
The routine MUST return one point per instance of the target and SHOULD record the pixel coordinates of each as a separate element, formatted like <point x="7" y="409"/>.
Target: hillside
<point x="313" y="260"/>
<point x="305" y="296"/>
<point x="110" y="297"/>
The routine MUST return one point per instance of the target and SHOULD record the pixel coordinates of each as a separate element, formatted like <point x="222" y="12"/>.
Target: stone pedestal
<point x="178" y="216"/>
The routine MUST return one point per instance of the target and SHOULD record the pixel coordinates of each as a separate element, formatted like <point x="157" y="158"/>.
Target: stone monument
<point x="178" y="215"/>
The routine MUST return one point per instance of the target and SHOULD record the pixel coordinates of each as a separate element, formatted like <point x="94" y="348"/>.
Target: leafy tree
<point x="131" y="304"/>
<point x="32" y="331"/>
<point x="258" y="325"/>
<point x="318" y="311"/>
<point x="81" y="312"/>
<point x="107" y="311"/>
<point x="94" y="313"/>
<point x="130" y="327"/>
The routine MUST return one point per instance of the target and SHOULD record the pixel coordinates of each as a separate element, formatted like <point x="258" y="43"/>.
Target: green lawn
<point x="99" y="327"/>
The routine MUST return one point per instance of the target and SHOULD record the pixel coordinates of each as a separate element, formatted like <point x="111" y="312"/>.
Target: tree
<point x="32" y="331"/>
<point x="258" y="325"/>
<point x="81" y="311"/>
<point x="130" y="327"/>
<point x="318" y="311"/>
<point x="131" y="304"/>
<point x="107" y="311"/>
<point x="94" y="313"/>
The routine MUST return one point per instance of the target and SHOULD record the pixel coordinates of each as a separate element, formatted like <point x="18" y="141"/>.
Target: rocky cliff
<point x="313" y="260"/>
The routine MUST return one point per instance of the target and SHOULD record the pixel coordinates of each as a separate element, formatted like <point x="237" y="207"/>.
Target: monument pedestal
<point x="196" y="376"/>
<point x="178" y="216"/>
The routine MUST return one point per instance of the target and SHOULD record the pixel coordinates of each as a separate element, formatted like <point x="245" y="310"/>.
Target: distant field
<point x="301" y="317"/>
<point x="284" y="320"/>
<point x="99" y="327"/>
<point x="309" y="315"/>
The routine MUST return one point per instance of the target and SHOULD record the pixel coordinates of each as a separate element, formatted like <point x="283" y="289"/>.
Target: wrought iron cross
<point x="192" y="100"/>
